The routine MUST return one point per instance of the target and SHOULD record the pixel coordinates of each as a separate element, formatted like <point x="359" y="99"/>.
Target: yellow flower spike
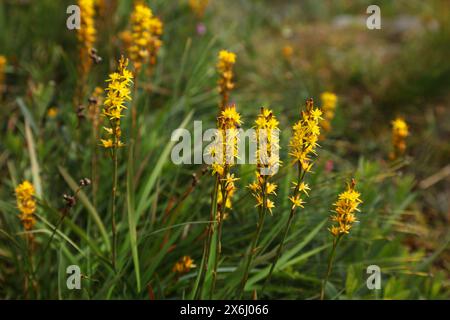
<point x="400" y="131"/>
<point x="329" y="102"/>
<point x="266" y="124"/>
<point x="117" y="93"/>
<point x="345" y="208"/>
<point x="87" y="33"/>
<point x="344" y="217"/>
<point x="225" y="68"/>
<point x="26" y="204"/>
<point x="145" y="41"/>
<point x="305" y="136"/>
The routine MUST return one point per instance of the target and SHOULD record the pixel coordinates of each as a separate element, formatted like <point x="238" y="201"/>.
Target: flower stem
<point x="207" y="243"/>
<point x="300" y="178"/>
<point x="330" y="266"/>
<point x="219" y="236"/>
<point x="262" y="215"/>
<point x="113" y="211"/>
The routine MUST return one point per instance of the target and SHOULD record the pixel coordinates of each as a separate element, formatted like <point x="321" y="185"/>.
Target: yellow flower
<point x="287" y="51"/>
<point x="52" y="112"/>
<point x="145" y="36"/>
<point x="345" y="208"/>
<point x="329" y="101"/>
<point x="271" y="188"/>
<point x="26" y="204"/>
<point x="87" y="33"/>
<point x="296" y="201"/>
<point x="270" y="205"/>
<point x="225" y="68"/>
<point x="399" y="133"/>
<point x="198" y="7"/>
<point x="229" y="190"/>
<point x="184" y="265"/>
<point x="117" y="93"/>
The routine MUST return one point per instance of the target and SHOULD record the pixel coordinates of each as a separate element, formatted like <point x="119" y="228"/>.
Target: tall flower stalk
<point x="344" y="216"/>
<point x="302" y="147"/>
<point x="87" y="35"/>
<point x="222" y="152"/>
<point x="117" y="93"/>
<point x="268" y="162"/>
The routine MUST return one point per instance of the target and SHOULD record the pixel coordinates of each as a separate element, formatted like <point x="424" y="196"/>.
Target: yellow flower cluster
<point x="329" y="101"/>
<point x="268" y="142"/>
<point x="399" y="133"/>
<point x="87" y="33"/>
<point x="224" y="152"/>
<point x="345" y="208"/>
<point x="117" y="93"/>
<point x="145" y="36"/>
<point x="26" y="204"/>
<point x="2" y="72"/>
<point x="305" y="136"/>
<point x="267" y="158"/>
<point x="227" y="191"/>
<point x="225" y="68"/>
<point x="184" y="265"/>
<point x="198" y="7"/>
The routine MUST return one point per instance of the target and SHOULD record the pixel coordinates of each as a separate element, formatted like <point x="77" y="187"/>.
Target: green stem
<point x="219" y="236"/>
<point x="280" y="248"/>
<point x="262" y="215"/>
<point x="330" y="266"/>
<point x="113" y="212"/>
<point x="207" y="243"/>
<point x="300" y="178"/>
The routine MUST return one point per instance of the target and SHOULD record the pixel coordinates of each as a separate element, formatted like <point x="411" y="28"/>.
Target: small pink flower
<point x="329" y="165"/>
<point x="201" y="29"/>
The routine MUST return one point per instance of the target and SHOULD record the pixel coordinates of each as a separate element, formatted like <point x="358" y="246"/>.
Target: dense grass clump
<point x="351" y="130"/>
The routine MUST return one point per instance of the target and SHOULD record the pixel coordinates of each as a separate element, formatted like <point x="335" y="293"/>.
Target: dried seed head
<point x="194" y="179"/>
<point x="94" y="56"/>
<point x="84" y="182"/>
<point x="70" y="200"/>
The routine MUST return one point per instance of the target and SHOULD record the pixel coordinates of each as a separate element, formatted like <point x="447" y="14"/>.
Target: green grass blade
<point x="151" y="180"/>
<point x="33" y="158"/>
<point x="131" y="216"/>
